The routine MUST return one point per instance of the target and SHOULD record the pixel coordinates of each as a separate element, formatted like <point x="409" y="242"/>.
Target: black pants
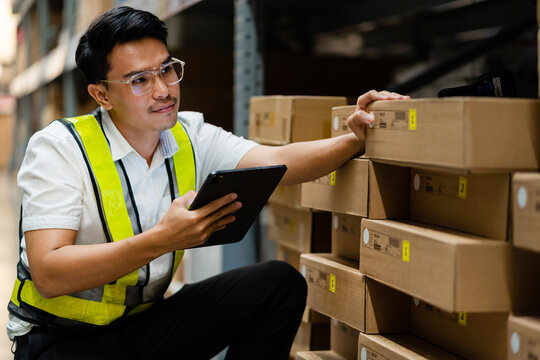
<point x="255" y="310"/>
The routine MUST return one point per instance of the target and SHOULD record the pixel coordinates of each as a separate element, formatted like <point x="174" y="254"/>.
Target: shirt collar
<point x="119" y="146"/>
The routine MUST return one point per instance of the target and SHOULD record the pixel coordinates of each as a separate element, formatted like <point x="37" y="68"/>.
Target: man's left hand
<point x="361" y="118"/>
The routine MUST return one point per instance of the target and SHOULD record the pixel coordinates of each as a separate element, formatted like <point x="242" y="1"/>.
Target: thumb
<point x="187" y="198"/>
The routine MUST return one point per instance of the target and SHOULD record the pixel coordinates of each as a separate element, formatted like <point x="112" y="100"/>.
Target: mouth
<point x="165" y="108"/>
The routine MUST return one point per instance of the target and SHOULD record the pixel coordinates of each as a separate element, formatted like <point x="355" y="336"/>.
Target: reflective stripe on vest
<point x="118" y="223"/>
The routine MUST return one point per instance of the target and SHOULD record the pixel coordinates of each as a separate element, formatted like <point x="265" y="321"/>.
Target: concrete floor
<point x="9" y="218"/>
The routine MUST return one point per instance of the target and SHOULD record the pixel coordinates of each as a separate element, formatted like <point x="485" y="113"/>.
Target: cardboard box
<point x="454" y="271"/>
<point x="313" y="332"/>
<point x="465" y="134"/>
<point x="471" y="335"/>
<point x="523" y="337"/>
<point x="278" y="120"/>
<point x="340" y="114"/>
<point x="399" y="347"/>
<point x="474" y="203"/>
<point x="7" y="125"/>
<point x="337" y="289"/>
<point x="288" y="255"/>
<point x="290" y="196"/>
<point x="361" y="188"/>
<point x="318" y="355"/>
<point x="523" y="279"/>
<point x="526" y="210"/>
<point x="343" y="339"/>
<point x="88" y="10"/>
<point x="311" y="336"/>
<point x="300" y="230"/>
<point x="346" y="236"/>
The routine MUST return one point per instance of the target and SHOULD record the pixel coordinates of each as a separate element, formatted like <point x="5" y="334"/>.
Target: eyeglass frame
<point x="155" y="72"/>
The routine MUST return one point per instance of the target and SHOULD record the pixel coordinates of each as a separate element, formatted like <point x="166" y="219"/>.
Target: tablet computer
<point x="253" y="186"/>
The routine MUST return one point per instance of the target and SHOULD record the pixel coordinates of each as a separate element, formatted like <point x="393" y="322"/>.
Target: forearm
<point x="72" y="268"/>
<point x="59" y="266"/>
<point x="306" y="161"/>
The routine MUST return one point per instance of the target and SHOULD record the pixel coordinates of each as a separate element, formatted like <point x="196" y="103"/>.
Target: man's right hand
<point x="183" y="228"/>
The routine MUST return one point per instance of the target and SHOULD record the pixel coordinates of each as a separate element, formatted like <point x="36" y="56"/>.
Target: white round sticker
<point x="336" y="222"/>
<point x="304" y="270"/>
<point x="366" y="236"/>
<point x="336" y="123"/>
<point x="514" y="342"/>
<point x="416" y="301"/>
<point x="416" y="182"/>
<point x="363" y="354"/>
<point x="522" y="197"/>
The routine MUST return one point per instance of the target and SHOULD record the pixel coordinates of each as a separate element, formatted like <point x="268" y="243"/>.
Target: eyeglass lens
<point x="144" y="82"/>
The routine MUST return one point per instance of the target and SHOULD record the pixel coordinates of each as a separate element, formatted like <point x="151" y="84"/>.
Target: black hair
<point x="116" y="26"/>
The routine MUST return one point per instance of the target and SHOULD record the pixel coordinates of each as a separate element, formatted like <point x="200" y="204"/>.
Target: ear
<point x="100" y="94"/>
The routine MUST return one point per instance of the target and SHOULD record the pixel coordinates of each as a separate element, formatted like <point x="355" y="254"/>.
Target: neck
<point x="144" y="142"/>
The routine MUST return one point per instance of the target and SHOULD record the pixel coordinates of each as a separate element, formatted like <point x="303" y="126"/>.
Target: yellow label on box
<point x="412" y="119"/>
<point x="462" y="188"/>
<point x="332" y="283"/>
<point x="462" y="318"/>
<point x="406" y="255"/>
<point x="333" y="178"/>
<point x="385" y="244"/>
<point x="446" y="185"/>
<point x="292" y="226"/>
<point x="459" y="318"/>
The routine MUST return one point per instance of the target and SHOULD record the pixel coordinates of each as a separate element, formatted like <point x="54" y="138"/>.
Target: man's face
<point x="152" y="112"/>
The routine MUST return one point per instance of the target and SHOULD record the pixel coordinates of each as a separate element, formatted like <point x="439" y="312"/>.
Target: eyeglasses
<point x="142" y="83"/>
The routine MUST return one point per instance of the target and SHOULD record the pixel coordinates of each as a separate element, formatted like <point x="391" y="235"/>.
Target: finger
<point x="222" y="223"/>
<point x="399" y="96"/>
<point x="360" y="118"/>
<point x="386" y="94"/>
<point x="224" y="211"/>
<point x="216" y="204"/>
<point x="365" y="99"/>
<point x="187" y="198"/>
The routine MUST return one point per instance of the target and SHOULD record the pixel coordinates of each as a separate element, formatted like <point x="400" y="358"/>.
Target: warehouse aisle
<point x="8" y="253"/>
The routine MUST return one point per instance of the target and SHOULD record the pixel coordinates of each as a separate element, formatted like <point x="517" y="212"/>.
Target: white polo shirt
<point x="56" y="189"/>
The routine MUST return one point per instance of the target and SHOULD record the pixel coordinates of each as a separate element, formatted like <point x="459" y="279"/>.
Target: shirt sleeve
<point x="215" y="148"/>
<point x="50" y="181"/>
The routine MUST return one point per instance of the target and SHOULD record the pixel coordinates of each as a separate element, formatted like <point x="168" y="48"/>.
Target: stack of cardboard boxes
<point x="425" y="245"/>
<point x="524" y="331"/>
<point x="279" y="120"/>
<point x="461" y="270"/>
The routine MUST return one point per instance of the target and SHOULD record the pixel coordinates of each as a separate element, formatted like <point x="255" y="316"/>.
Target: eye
<point x="166" y="69"/>
<point x="140" y="79"/>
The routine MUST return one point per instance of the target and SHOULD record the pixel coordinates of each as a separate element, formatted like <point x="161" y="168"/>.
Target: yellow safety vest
<point x="28" y="304"/>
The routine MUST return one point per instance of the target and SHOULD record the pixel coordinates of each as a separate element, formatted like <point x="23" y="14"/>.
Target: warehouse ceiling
<point x="430" y="36"/>
<point x="409" y="29"/>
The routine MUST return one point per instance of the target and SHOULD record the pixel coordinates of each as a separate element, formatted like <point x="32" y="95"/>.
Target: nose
<point x="161" y="89"/>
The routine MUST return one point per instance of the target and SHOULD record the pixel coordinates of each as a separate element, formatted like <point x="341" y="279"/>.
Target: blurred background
<point x="236" y="49"/>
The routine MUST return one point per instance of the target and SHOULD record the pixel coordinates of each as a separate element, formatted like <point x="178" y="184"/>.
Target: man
<point x="105" y="217"/>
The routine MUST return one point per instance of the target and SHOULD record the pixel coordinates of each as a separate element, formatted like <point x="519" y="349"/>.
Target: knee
<point x="287" y="278"/>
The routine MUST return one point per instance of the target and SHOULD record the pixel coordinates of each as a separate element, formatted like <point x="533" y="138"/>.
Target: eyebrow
<point x="134" y="72"/>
